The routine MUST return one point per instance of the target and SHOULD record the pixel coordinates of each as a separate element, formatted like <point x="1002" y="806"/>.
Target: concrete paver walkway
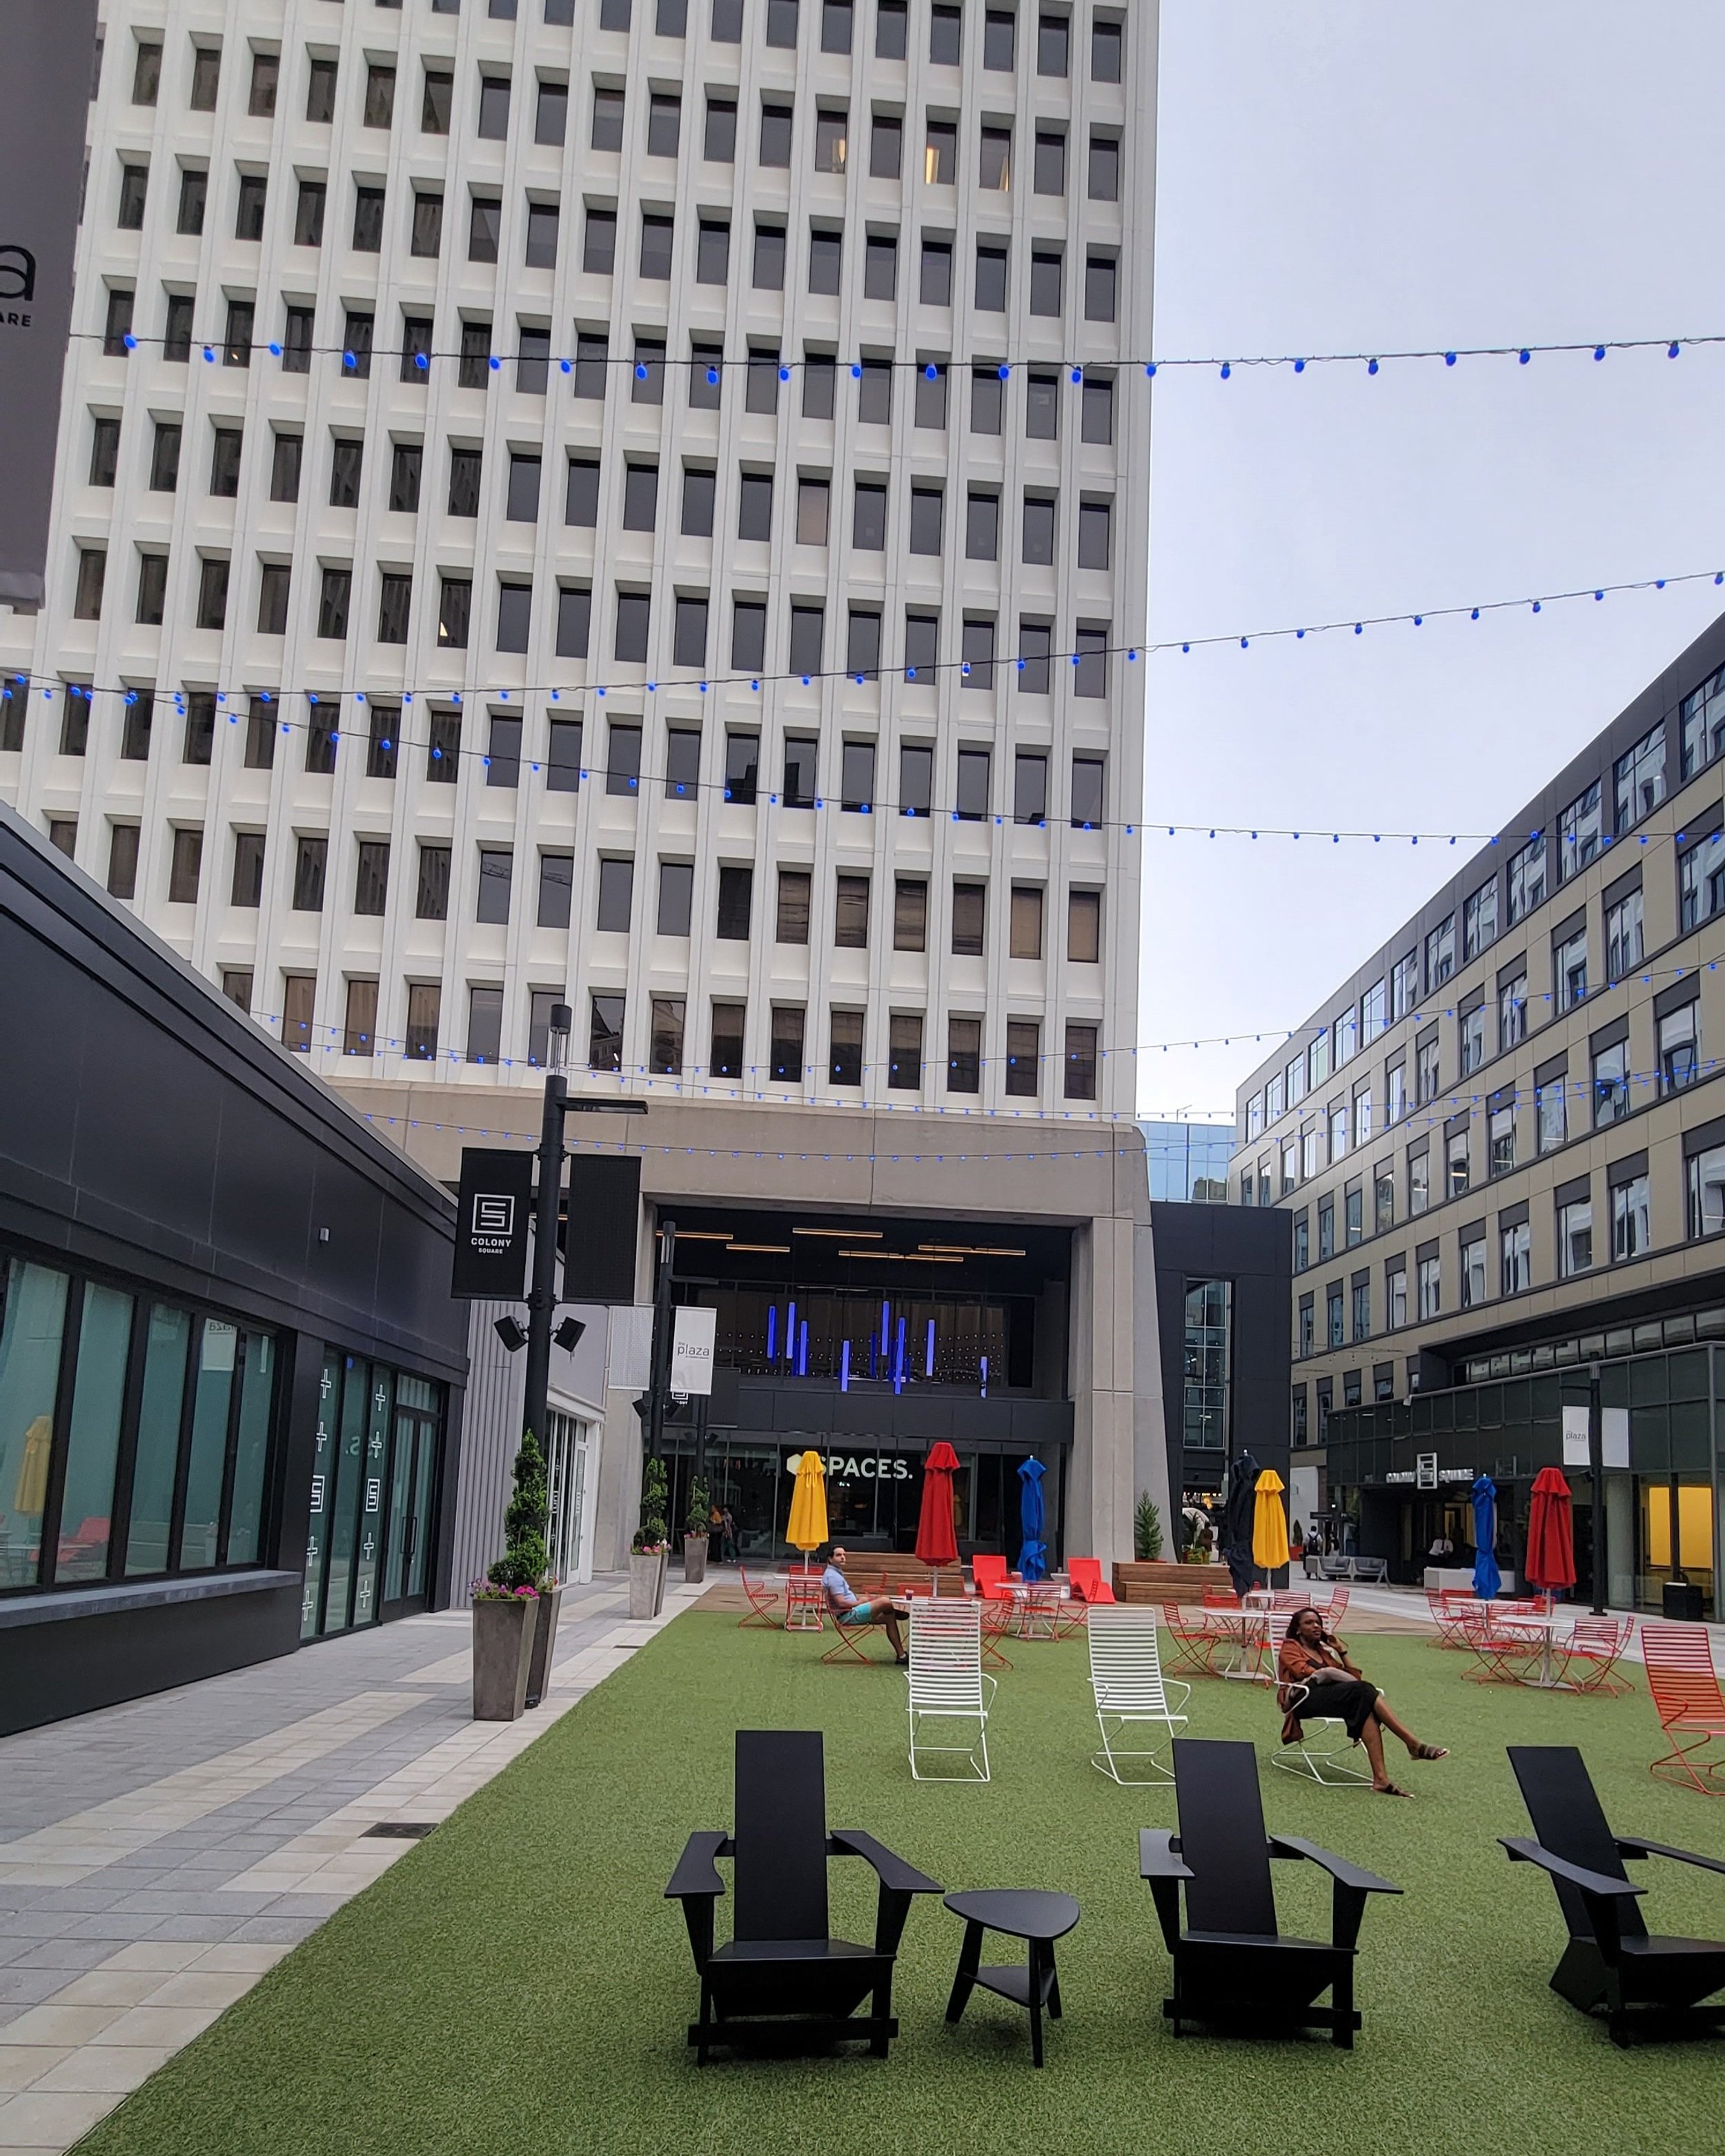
<point x="156" y="1858"/>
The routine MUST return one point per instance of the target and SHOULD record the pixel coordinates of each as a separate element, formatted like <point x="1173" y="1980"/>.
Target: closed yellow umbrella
<point x="1269" y="1522"/>
<point x="808" y="1528"/>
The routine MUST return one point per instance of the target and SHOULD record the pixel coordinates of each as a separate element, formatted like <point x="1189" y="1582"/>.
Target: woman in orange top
<point x="1316" y="1679"/>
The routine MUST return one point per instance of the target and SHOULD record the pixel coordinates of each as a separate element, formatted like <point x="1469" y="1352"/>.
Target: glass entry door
<point x="413" y="1478"/>
<point x="373" y="1485"/>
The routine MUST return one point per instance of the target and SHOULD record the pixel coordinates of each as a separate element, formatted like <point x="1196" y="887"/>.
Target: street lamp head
<point x="509" y="1332"/>
<point x="556" y="1054"/>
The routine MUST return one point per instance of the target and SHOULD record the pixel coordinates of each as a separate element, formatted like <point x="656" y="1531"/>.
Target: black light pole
<point x="543" y="1289"/>
<point x="1596" y="1470"/>
<point x="660" y="1380"/>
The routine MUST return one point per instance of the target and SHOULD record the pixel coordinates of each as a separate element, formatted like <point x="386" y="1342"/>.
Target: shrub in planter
<point x="1147" y="1531"/>
<point x="695" y="1532"/>
<point x="505" y="1621"/>
<point x="514" y="1610"/>
<point x="649" y="1549"/>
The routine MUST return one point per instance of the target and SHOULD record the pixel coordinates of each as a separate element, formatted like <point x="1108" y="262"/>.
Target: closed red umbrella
<point x="1551" y="1533"/>
<point x="935" y="1541"/>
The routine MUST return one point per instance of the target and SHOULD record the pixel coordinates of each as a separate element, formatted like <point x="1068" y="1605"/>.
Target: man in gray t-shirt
<point x="847" y="1610"/>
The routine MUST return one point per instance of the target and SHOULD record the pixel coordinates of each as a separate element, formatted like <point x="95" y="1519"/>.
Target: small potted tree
<point x="696" y="1528"/>
<point x="505" y="1602"/>
<point x="649" y="1550"/>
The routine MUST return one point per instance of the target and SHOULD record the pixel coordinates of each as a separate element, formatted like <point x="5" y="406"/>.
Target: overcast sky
<point x="1347" y="175"/>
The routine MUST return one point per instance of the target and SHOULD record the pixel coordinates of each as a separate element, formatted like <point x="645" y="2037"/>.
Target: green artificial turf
<point x="516" y="1982"/>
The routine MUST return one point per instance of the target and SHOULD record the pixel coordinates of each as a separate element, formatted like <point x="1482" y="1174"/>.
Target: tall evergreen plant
<point x="526" y="1560"/>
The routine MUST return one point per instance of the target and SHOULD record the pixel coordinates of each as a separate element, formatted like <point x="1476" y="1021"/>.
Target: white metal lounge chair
<point x="1333" y="1761"/>
<point x="947" y="1685"/>
<point x="1125" y="1676"/>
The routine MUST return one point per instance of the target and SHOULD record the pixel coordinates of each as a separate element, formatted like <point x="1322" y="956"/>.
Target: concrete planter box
<point x="646" y="1583"/>
<point x="694" y="1559"/>
<point x="1183" y="1583"/>
<point x="503" y="1634"/>
<point x="545" y="1640"/>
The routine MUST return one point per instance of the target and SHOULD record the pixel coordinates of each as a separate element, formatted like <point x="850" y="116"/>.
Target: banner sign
<point x="47" y="60"/>
<point x="603" y="1232"/>
<point x="493" y="1213"/>
<point x="1577" y="1450"/>
<point x="691" y="1363"/>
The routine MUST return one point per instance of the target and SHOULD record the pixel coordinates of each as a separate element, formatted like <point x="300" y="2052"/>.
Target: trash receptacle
<point x="1682" y="1600"/>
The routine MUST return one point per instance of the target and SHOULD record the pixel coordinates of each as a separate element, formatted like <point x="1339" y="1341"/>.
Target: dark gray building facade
<point x="1223" y="1278"/>
<point x="230" y="1371"/>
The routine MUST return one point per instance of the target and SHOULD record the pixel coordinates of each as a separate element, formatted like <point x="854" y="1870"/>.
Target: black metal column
<point x="543" y="1291"/>
<point x="659" y="1383"/>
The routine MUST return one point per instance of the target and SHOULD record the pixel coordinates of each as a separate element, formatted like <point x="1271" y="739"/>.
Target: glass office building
<point x="1188" y="1162"/>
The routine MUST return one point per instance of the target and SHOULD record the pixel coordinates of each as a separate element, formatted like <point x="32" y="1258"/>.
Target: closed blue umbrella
<point x="1487" y="1580"/>
<point x="1033" y="1556"/>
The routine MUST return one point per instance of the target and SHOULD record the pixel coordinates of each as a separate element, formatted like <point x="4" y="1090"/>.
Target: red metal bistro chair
<point x="762" y="1601"/>
<point x="1685" y="1684"/>
<point x="1593" y="1650"/>
<point x="1195" y="1639"/>
<point x="1502" y="1655"/>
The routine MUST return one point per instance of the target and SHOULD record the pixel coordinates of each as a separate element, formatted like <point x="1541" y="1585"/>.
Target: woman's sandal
<point x="1429" y="1752"/>
<point x="1389" y="1790"/>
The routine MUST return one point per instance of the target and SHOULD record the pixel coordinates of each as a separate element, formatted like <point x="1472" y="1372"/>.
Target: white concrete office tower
<point x="696" y="455"/>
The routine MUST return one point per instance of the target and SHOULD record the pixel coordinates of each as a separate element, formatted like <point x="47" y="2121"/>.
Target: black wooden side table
<point x="1025" y="1913"/>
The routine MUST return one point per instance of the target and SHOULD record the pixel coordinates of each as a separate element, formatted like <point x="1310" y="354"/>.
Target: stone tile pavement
<point x="156" y="1858"/>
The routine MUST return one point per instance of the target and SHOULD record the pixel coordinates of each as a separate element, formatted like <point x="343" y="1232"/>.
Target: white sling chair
<point x="947" y="1685"/>
<point x="1125" y="1676"/>
<point x="1333" y="1763"/>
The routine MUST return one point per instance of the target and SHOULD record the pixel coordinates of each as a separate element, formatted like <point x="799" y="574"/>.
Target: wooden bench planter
<point x="1183" y="1583"/>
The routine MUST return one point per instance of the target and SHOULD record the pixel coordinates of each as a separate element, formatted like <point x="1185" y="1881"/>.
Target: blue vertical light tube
<point x="803" y="1349"/>
<point x="898" y="1360"/>
<point x="985" y="1377"/>
<point x="772" y="1330"/>
<point x="928" y="1360"/>
<point x="844" y="1368"/>
<point x="790" y="1335"/>
<point x="885" y="1328"/>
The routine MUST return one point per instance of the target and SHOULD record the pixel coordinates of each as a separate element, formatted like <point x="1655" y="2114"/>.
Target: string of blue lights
<point x="711" y="361"/>
<point x="325" y="702"/>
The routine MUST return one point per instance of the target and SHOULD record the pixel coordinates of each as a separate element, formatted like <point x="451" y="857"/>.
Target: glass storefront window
<point x="1208" y="1330"/>
<point x="873" y="1492"/>
<point x="158" y="1443"/>
<point x="211" y="1387"/>
<point x="93" y="1434"/>
<point x="251" y="1453"/>
<point x="32" y="1323"/>
<point x="1695" y="1537"/>
<point x="140" y="1390"/>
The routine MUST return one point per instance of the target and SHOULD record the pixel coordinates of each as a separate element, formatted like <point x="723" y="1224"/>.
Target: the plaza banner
<point x="47" y="58"/>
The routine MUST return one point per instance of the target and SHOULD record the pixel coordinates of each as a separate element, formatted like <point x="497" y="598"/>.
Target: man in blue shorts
<point x="847" y="1610"/>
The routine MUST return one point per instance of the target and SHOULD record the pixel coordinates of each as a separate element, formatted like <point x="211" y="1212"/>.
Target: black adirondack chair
<point x="1611" y="1960"/>
<point x="1231" y="1964"/>
<point x="782" y="1983"/>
